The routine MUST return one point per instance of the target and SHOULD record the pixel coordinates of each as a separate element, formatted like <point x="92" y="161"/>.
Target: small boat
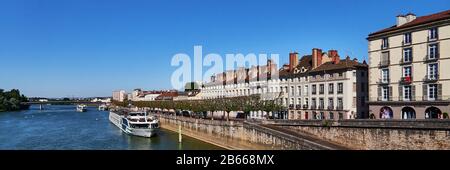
<point x="81" y="108"/>
<point x="103" y="107"/>
<point x="135" y="123"/>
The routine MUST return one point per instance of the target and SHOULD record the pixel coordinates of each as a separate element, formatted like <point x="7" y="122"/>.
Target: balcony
<point x="434" y="98"/>
<point x="406" y="80"/>
<point x="291" y="106"/>
<point x="305" y="106"/>
<point x="298" y="107"/>
<point x="340" y="108"/>
<point x="431" y="58"/>
<point x="330" y="107"/>
<point x="383" y="81"/>
<point x="384" y="63"/>
<point x="432" y="39"/>
<point x="313" y="107"/>
<point x="431" y="78"/>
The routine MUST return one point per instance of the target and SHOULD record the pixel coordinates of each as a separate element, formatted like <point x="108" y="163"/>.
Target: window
<point x="340" y="104"/>
<point x="331" y="116"/>
<point x="292" y="90"/>
<point x="432" y="71"/>
<point x="362" y="74"/>
<point x="321" y="103"/>
<point x="407" y="93"/>
<point x="407" y="55"/>
<point x="385" y="75"/>
<point x="354" y="87"/>
<point x="340" y="88"/>
<point x="407" y="39"/>
<point x="313" y="102"/>
<point x="340" y="74"/>
<point x="330" y="88"/>
<point x="433" y="34"/>
<point x="321" y="88"/>
<point x="341" y="116"/>
<point x="385" y="43"/>
<point x="299" y="101"/>
<point x="306" y="90"/>
<point x="330" y="103"/>
<point x="407" y="71"/>
<point x="313" y="90"/>
<point x="384" y="59"/>
<point x="299" y="90"/>
<point x="433" y="51"/>
<point x="385" y="93"/>
<point x="306" y="102"/>
<point x="354" y="73"/>
<point x="432" y="91"/>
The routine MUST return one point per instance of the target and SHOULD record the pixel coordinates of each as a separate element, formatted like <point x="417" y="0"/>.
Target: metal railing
<point x="406" y="80"/>
<point x="384" y="81"/>
<point x="330" y="107"/>
<point x="430" y="58"/>
<point x="430" y="78"/>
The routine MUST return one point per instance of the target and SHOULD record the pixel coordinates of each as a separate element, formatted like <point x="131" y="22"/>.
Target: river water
<point x="62" y="128"/>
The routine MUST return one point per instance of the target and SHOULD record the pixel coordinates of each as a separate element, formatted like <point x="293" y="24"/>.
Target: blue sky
<point x="60" y="48"/>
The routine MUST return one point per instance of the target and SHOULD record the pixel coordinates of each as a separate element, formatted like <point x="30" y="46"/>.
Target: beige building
<point x="408" y="68"/>
<point x="317" y="86"/>
<point x="120" y="95"/>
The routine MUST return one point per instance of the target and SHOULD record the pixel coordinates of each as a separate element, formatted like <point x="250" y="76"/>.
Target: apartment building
<point x="120" y="95"/>
<point x="407" y="68"/>
<point x="318" y="86"/>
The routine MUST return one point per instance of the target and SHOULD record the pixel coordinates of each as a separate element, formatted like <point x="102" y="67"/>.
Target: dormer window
<point x="385" y="43"/>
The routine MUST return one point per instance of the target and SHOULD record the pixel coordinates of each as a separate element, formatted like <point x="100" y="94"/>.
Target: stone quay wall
<point x="237" y="135"/>
<point x="375" y="134"/>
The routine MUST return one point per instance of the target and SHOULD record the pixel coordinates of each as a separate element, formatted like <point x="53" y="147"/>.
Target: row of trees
<point x="244" y="104"/>
<point x="11" y="100"/>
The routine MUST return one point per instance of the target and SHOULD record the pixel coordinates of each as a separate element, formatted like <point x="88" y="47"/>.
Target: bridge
<point x="41" y="104"/>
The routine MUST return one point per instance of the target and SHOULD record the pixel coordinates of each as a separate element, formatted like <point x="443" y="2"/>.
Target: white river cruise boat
<point x="135" y="123"/>
<point x="81" y="108"/>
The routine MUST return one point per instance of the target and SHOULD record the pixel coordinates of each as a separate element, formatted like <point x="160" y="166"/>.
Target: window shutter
<point x="379" y="94"/>
<point x="424" y="94"/>
<point x="413" y="93"/>
<point x="400" y="93"/>
<point x="390" y="93"/>
<point x="439" y="92"/>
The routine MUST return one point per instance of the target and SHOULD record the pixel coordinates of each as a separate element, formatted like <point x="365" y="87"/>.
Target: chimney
<point x="401" y="19"/>
<point x="333" y="54"/>
<point x="410" y="17"/>
<point x="293" y="61"/>
<point x="316" y="57"/>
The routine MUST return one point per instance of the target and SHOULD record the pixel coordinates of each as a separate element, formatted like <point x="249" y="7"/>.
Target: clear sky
<point x="82" y="48"/>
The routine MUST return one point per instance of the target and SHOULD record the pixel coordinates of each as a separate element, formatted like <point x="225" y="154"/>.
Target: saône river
<point x="62" y="128"/>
